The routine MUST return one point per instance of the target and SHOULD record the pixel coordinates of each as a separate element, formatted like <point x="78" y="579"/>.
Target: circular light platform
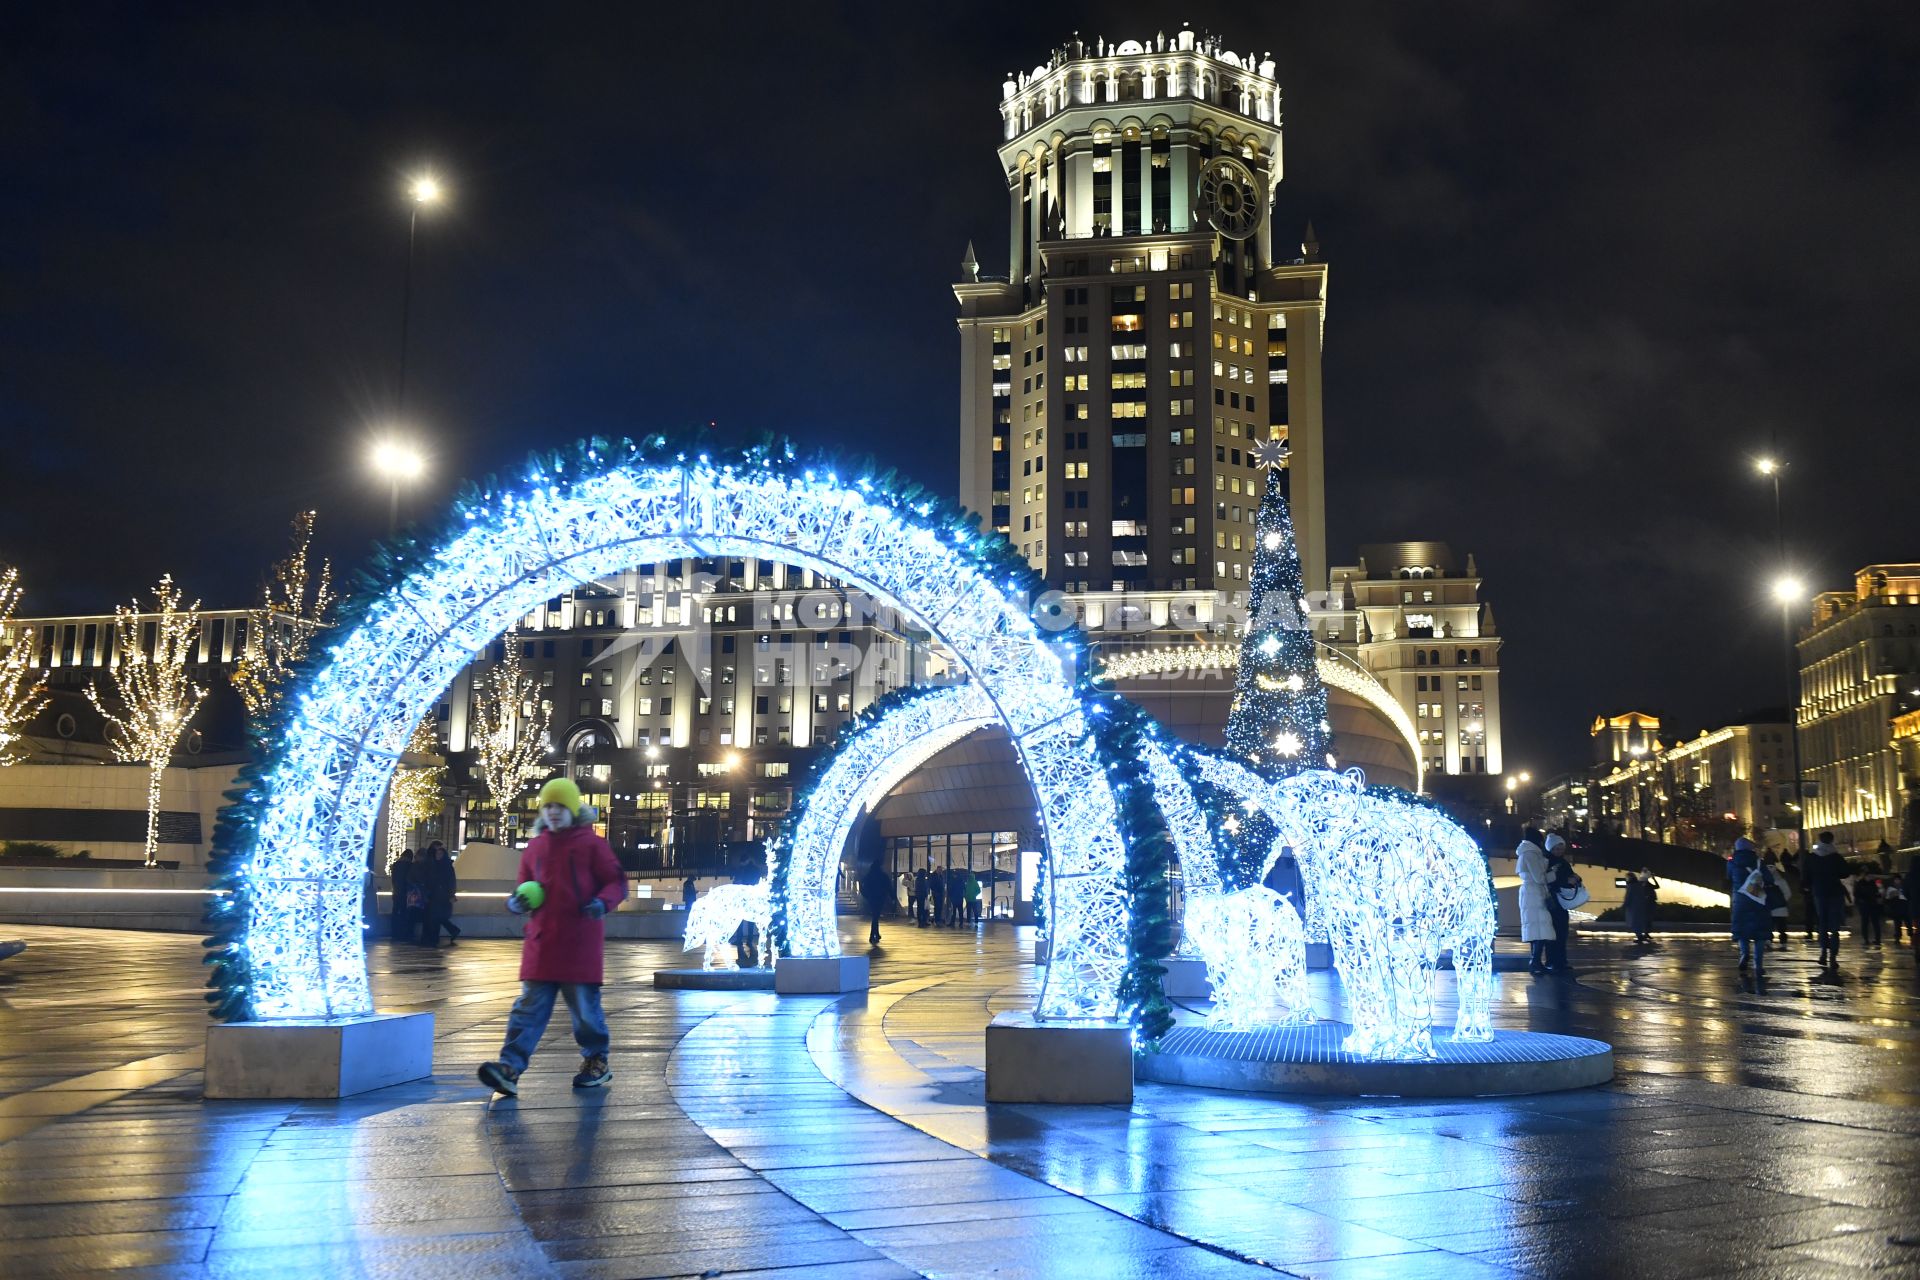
<point x="714" y="979"/>
<point x="1309" y="1059"/>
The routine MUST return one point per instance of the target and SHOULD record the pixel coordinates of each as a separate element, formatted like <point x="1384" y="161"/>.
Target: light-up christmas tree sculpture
<point x="1279" y="717"/>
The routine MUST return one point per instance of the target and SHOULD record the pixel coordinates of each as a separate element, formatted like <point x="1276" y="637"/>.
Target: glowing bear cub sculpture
<point x="1256" y="953"/>
<point x="1390" y="884"/>
<point x="720" y="911"/>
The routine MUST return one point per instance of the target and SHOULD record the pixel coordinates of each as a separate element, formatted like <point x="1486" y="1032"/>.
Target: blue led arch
<point x="294" y="845"/>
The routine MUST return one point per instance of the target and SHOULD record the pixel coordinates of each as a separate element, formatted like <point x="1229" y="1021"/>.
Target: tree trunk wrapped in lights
<point x="414" y="794"/>
<point x="509" y="730"/>
<point x="280" y="630"/>
<point x="22" y="688"/>
<point x="154" y="696"/>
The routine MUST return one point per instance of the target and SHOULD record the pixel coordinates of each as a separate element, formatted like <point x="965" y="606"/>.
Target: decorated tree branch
<point x="509" y="730"/>
<point x="22" y="686"/>
<point x="154" y="697"/>
<point x="295" y="606"/>
<point x="414" y="795"/>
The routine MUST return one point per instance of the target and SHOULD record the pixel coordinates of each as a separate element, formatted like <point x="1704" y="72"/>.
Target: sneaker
<point x="500" y="1078"/>
<point x="594" y="1072"/>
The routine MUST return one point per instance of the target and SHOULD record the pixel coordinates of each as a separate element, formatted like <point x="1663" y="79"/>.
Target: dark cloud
<point x="1586" y="260"/>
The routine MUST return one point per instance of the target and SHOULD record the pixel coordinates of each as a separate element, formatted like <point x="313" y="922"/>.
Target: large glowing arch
<point x="867" y="766"/>
<point x="296" y="847"/>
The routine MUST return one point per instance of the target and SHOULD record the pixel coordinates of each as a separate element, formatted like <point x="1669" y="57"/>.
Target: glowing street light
<point x="424" y="191"/>
<point x="1767" y="466"/>
<point x="398" y="463"/>
<point x="1789" y="590"/>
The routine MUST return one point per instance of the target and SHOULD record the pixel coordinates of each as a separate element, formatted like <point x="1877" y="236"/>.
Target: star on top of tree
<point x="1270" y="453"/>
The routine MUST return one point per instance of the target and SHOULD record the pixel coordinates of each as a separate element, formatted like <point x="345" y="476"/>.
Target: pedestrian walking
<point x="876" y="887"/>
<point x="440" y="889"/>
<point x="1536" y="922"/>
<point x="1754" y="898"/>
<point x="1868" y="903"/>
<point x="1641" y="893"/>
<point x="972" y="890"/>
<point x="1566" y="893"/>
<point x="936" y="894"/>
<point x="1780" y="912"/>
<point x="403" y="923"/>
<point x="1895" y="901"/>
<point x="578" y="880"/>
<point x="920" y="891"/>
<point x="1826" y="876"/>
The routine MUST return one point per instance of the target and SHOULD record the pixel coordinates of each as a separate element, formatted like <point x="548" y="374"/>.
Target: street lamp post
<point x="1771" y="467"/>
<point x="1790" y="591"/>
<point x="424" y="192"/>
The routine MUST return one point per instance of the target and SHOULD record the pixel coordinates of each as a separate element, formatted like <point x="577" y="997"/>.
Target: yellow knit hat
<point x="561" y="791"/>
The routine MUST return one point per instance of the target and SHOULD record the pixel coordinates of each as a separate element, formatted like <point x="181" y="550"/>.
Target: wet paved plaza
<point x="1748" y="1133"/>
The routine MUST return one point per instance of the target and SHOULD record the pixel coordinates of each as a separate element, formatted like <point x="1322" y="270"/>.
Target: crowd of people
<point x="423" y="895"/>
<point x="1835" y="891"/>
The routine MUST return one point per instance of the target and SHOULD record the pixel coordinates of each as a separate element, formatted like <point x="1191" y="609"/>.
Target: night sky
<point x="1587" y="261"/>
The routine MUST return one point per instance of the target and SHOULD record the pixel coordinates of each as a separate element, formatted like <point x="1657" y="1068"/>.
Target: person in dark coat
<point x="1641" y="893"/>
<point x="689" y="891"/>
<point x="1826" y="875"/>
<point x="402" y="924"/>
<point x="956" y="894"/>
<point x="1754" y="895"/>
<point x="876" y="889"/>
<point x="439" y="889"/>
<point x="1895" y="901"/>
<point x="920" y="891"/>
<point x="937" y="894"/>
<point x="1560" y="877"/>
<point x="1867" y="901"/>
<point x="564" y="950"/>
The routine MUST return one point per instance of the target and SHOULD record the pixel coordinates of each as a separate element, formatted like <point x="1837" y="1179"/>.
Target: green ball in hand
<point x="532" y="894"/>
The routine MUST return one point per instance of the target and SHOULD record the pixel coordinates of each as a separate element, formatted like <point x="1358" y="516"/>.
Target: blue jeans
<point x="528" y="1021"/>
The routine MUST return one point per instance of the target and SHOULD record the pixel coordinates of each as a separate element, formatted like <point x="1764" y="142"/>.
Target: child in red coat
<point x="581" y="881"/>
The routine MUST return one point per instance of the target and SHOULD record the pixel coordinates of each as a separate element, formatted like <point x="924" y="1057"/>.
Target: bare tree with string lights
<point x="22" y="687"/>
<point x="509" y="730"/>
<point x="295" y="605"/>
<point x="414" y="795"/>
<point x="154" y="695"/>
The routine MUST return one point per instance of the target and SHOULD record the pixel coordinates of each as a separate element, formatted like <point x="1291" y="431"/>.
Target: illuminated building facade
<point x="1411" y="614"/>
<point x="1705" y="792"/>
<point x="688" y="698"/>
<point x="1149" y="330"/>
<point x="1859" y="670"/>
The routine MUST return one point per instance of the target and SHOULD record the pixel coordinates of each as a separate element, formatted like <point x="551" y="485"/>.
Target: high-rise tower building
<point x="1147" y="334"/>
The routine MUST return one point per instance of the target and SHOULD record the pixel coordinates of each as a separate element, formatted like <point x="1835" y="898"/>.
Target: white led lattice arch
<point x="867" y="766"/>
<point x="320" y="793"/>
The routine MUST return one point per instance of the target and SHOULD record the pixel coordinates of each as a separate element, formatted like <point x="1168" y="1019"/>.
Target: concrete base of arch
<point x="820" y="975"/>
<point x="1079" y="1062"/>
<point x="318" y="1057"/>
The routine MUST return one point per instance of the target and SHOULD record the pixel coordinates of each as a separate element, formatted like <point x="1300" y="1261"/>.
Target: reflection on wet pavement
<point x="1749" y="1132"/>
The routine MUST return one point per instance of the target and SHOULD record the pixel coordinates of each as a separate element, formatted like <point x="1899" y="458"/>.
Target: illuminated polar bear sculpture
<point x="719" y="912"/>
<point x="1256" y="953"/>
<point x="1390" y="884"/>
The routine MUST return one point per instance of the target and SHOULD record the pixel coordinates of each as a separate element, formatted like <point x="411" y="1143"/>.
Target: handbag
<point x="1572" y="897"/>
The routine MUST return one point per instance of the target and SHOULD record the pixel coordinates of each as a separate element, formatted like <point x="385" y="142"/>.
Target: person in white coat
<point x="1536" y="922"/>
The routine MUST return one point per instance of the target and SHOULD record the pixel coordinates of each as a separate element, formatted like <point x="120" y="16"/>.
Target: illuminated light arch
<point x="867" y="766"/>
<point x="1336" y="669"/>
<point x="296" y="845"/>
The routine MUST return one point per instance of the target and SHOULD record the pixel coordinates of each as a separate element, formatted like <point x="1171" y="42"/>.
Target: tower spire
<point x="970" y="265"/>
<point x="1279" y="716"/>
